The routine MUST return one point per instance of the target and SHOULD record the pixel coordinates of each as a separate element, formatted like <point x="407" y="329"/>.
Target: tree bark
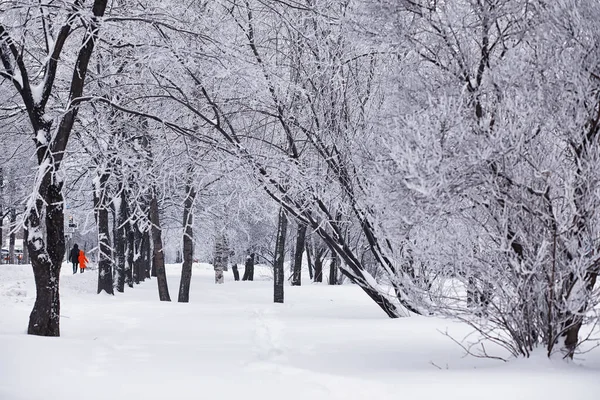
<point x="300" y="244"/>
<point x="105" y="262"/>
<point x="138" y="258"/>
<point x="130" y="249"/>
<point x="158" y="256"/>
<point x="121" y="241"/>
<point x="249" y="268"/>
<point x="25" y="250"/>
<point x="309" y="260"/>
<point x="278" y="271"/>
<point x="152" y="268"/>
<point x="572" y="325"/>
<point x="188" y="242"/>
<point x="147" y="251"/>
<point x="320" y="252"/>
<point x="46" y="257"/>
<point x="333" y="269"/>
<point x="220" y="258"/>
<point x="12" y="236"/>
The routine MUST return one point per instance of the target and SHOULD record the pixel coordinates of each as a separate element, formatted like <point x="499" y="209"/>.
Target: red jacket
<point x="82" y="259"/>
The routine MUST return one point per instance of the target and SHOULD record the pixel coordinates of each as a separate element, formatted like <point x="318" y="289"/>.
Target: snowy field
<point x="232" y="342"/>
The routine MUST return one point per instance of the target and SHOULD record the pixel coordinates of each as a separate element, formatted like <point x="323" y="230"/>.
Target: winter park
<point x="300" y="199"/>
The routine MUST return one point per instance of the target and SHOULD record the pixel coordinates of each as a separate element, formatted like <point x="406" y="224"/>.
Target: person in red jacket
<point x="82" y="261"/>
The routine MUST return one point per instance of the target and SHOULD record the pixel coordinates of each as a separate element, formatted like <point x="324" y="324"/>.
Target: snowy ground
<point x="232" y="342"/>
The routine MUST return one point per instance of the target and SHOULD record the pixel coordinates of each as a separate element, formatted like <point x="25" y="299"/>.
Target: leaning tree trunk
<point x="300" y="244"/>
<point x="101" y="206"/>
<point x="158" y="255"/>
<point x="188" y="243"/>
<point x="278" y="271"/>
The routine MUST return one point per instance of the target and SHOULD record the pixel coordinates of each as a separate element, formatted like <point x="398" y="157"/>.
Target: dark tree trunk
<point x="152" y="266"/>
<point x="101" y="206"/>
<point x="309" y="260"/>
<point x="46" y="259"/>
<point x="188" y="243"/>
<point x="318" y="269"/>
<point x="138" y="257"/>
<point x="278" y="271"/>
<point x="147" y="251"/>
<point x="121" y="241"/>
<point x="300" y="244"/>
<point x="113" y="244"/>
<point x="130" y="250"/>
<point x="333" y="269"/>
<point x="320" y="253"/>
<point x="12" y="236"/>
<point x="572" y="326"/>
<point x="158" y="256"/>
<point x="25" y="250"/>
<point x="249" y="268"/>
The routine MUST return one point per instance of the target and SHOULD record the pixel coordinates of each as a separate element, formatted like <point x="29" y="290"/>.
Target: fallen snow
<point x="232" y="342"/>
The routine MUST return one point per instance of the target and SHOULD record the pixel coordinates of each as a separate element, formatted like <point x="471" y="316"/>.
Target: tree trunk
<point x="249" y="268"/>
<point x="120" y="241"/>
<point x="152" y="269"/>
<point x="573" y="324"/>
<point x="147" y="251"/>
<point x="46" y="256"/>
<point x="130" y="250"/>
<point x="320" y="253"/>
<point x="318" y="270"/>
<point x="158" y="256"/>
<point x="105" y="267"/>
<point x="188" y="243"/>
<point x="300" y="244"/>
<point x="12" y="236"/>
<point x="333" y="269"/>
<point x="220" y="258"/>
<point x="138" y="258"/>
<point x="278" y="271"/>
<point x="25" y="238"/>
<point x="309" y="260"/>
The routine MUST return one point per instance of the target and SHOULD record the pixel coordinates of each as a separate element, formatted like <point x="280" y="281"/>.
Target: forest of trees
<point x="443" y="156"/>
